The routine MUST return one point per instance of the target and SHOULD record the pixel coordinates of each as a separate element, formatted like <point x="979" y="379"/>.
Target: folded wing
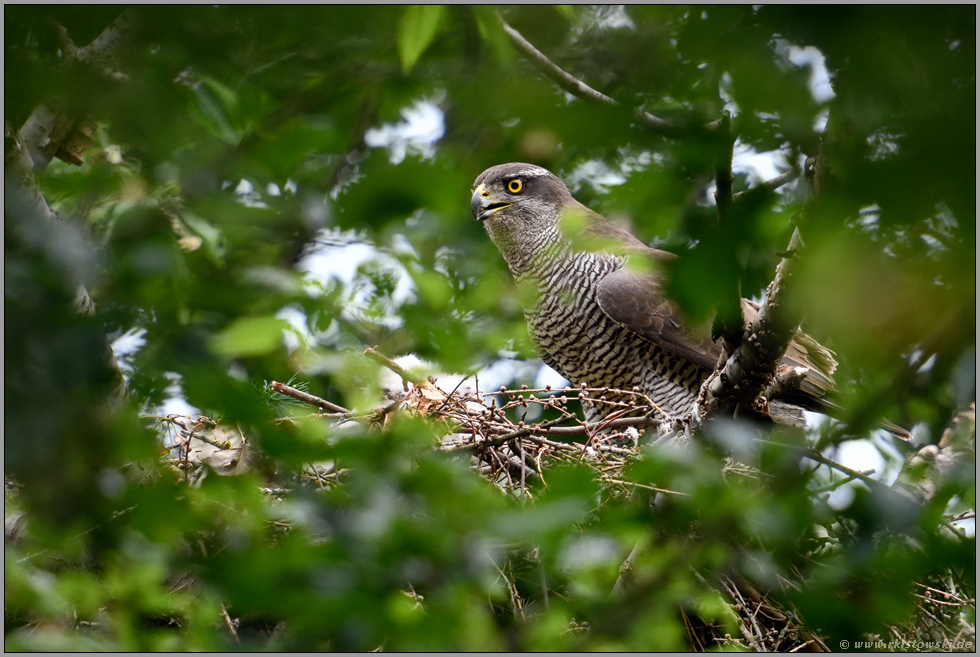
<point x="637" y="301"/>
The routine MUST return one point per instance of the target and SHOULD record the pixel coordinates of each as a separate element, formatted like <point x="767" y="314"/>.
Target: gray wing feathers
<point x="636" y="301"/>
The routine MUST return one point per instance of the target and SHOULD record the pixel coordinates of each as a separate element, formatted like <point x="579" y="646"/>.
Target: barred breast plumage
<point x="577" y="339"/>
<point x="598" y="319"/>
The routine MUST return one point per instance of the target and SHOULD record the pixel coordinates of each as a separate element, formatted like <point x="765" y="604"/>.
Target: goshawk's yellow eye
<point x="515" y="186"/>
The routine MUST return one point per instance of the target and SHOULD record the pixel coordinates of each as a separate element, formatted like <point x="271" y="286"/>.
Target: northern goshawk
<point x="600" y="316"/>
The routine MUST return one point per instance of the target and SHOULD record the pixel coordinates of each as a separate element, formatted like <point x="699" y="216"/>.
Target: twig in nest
<point x="307" y="398"/>
<point x="378" y="357"/>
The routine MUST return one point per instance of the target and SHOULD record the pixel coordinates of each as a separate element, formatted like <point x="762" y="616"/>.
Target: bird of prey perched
<point x="600" y="316"/>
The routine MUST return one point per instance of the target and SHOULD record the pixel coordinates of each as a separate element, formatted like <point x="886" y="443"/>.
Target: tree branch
<point x="579" y="89"/>
<point x="747" y="373"/>
<point x="103" y="51"/>
<point x="723" y="168"/>
<point x="772" y="184"/>
<point x="730" y="321"/>
<point x="565" y="80"/>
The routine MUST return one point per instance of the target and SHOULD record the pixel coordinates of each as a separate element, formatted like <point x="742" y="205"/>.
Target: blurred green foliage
<point x="415" y="550"/>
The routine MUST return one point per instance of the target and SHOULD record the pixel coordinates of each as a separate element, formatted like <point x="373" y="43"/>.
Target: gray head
<point x="519" y="205"/>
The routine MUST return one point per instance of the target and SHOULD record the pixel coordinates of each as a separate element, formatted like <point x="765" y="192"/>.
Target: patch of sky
<point x="272" y="189"/>
<point x="725" y="93"/>
<point x="363" y="270"/>
<point x="423" y="125"/>
<point x="601" y="18"/>
<point x="883" y="143"/>
<point x="548" y="377"/>
<point x="819" y="83"/>
<point x="248" y="196"/>
<point x="600" y="175"/>
<point x="175" y="403"/>
<point x="820" y="120"/>
<point x="300" y="334"/>
<point x="125" y="347"/>
<point x="860" y="455"/>
<point x="869" y="218"/>
<point x="757" y="167"/>
<point x="876" y="456"/>
<point x="597" y="174"/>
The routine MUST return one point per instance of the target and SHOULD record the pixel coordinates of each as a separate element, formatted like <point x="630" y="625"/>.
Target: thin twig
<point x="837" y="484"/>
<point x="544" y="429"/>
<point x="378" y="357"/>
<point x="772" y="184"/>
<point x="113" y="516"/>
<point x="814" y="455"/>
<point x="307" y="398"/>
<point x="579" y="89"/>
<point x="645" y="486"/>
<point x="229" y="624"/>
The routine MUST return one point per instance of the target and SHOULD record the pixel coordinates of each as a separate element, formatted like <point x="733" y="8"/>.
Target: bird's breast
<point x="577" y="339"/>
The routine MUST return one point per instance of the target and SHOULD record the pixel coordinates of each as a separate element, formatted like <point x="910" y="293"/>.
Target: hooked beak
<point x="482" y="204"/>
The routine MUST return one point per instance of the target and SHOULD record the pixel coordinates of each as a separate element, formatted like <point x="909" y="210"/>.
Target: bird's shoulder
<point x="589" y="230"/>
<point x="633" y="295"/>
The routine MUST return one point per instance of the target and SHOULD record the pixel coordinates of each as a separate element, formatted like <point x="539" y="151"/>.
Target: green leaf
<point x="213" y="240"/>
<point x="567" y="12"/>
<point x="250" y="336"/>
<point x="218" y="104"/>
<point x="418" y="27"/>
<point x="493" y="34"/>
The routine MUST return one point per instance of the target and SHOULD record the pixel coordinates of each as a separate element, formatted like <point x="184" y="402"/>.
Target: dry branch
<point x="307" y="398"/>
